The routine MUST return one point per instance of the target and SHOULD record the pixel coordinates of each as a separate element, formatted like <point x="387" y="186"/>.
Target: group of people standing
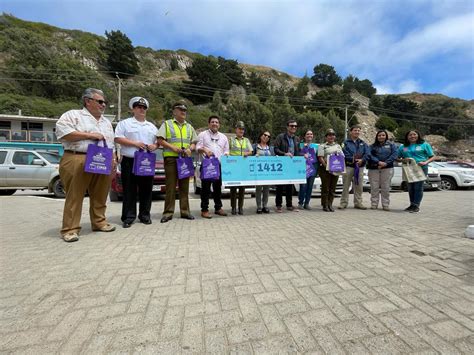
<point x="76" y="129"/>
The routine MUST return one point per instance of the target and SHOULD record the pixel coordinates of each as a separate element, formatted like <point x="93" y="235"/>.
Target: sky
<point x="401" y="46"/>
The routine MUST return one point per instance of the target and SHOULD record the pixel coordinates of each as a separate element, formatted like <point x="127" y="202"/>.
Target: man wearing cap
<point x="286" y="144"/>
<point x="76" y="129"/>
<point x="211" y="142"/>
<point x="239" y="146"/>
<point x="178" y="138"/>
<point x="132" y="134"/>
<point x="356" y="153"/>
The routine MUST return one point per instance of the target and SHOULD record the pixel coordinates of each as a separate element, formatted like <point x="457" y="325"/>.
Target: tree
<point x="325" y="76"/>
<point x="298" y="95"/>
<point x="453" y="134"/>
<point x="364" y="87"/>
<point x="255" y="84"/>
<point x="120" y="53"/>
<point x="314" y="121"/>
<point x="210" y="74"/>
<point x="387" y="123"/>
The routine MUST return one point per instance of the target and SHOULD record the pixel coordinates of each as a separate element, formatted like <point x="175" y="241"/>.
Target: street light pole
<point x="345" y="124"/>
<point x="119" y="103"/>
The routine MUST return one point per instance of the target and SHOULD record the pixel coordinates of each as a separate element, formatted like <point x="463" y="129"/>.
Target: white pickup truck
<point x="22" y="169"/>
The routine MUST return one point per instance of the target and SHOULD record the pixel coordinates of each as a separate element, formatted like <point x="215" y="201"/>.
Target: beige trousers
<point x="76" y="182"/>
<point x="347" y="180"/>
<point x="380" y="180"/>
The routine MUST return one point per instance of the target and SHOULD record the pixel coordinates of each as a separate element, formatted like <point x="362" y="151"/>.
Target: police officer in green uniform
<point x="239" y="146"/>
<point x="177" y="137"/>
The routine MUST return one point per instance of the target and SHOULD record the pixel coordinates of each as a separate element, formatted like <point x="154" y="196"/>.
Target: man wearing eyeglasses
<point x="178" y="138"/>
<point x="76" y="129"/>
<point x="286" y="144"/>
<point x="132" y="134"/>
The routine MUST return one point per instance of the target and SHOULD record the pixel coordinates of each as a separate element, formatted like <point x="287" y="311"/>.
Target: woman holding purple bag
<point x="309" y="150"/>
<point x="133" y="134"/>
<point x="328" y="176"/>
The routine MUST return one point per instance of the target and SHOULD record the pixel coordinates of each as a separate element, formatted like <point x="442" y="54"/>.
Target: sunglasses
<point x="266" y="135"/>
<point x="100" y="102"/>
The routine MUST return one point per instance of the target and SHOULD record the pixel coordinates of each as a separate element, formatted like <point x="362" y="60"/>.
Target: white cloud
<point x="408" y="86"/>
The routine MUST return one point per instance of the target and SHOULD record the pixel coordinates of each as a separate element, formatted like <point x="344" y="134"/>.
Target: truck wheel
<point x="197" y="190"/>
<point x="448" y="183"/>
<point x="114" y="196"/>
<point x="7" y="192"/>
<point x="58" y="189"/>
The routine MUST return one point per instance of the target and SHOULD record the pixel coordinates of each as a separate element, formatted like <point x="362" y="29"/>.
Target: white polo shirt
<point x="135" y="130"/>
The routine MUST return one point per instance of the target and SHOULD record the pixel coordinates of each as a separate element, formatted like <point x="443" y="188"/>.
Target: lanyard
<point x="241" y="145"/>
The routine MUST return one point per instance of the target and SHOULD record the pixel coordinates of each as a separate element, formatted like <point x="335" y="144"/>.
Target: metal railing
<point x="11" y="135"/>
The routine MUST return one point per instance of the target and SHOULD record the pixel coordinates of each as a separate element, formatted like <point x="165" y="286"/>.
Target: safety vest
<point x="178" y="136"/>
<point x="239" y="146"/>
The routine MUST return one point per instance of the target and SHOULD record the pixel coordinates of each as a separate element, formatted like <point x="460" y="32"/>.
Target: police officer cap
<point x="240" y="124"/>
<point x="330" y="131"/>
<point x="180" y="105"/>
<point x="138" y="101"/>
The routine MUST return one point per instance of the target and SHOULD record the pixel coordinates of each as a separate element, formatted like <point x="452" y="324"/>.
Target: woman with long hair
<point x="382" y="154"/>
<point x="262" y="148"/>
<point x="417" y="149"/>
<point x="309" y="150"/>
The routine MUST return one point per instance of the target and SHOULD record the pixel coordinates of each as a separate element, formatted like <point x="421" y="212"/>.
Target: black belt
<point x="74" y="152"/>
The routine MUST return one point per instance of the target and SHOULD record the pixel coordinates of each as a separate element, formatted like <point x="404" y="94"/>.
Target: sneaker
<point x="293" y="209"/>
<point x="415" y="209"/>
<point x="221" y="212"/>
<point x="206" y="214"/>
<point x="326" y="209"/>
<point x="386" y="208"/>
<point x="360" y="207"/>
<point x="107" y="228"/>
<point x="265" y="210"/>
<point x="300" y="206"/>
<point x="331" y="209"/>
<point x="409" y="208"/>
<point x="70" y="237"/>
<point x="307" y="207"/>
<point x="278" y="210"/>
<point x="259" y="211"/>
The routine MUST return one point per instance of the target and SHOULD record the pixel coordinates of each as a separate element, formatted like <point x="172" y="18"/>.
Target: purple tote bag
<point x="185" y="167"/>
<point x="311" y="153"/>
<point x="98" y="159"/>
<point x="310" y="170"/>
<point x="144" y="163"/>
<point x="210" y="169"/>
<point x="336" y="163"/>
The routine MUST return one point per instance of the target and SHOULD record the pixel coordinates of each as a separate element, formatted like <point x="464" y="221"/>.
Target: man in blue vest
<point x="178" y="138"/>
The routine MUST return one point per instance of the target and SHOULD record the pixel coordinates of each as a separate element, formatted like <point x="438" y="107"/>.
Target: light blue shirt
<point x="419" y="152"/>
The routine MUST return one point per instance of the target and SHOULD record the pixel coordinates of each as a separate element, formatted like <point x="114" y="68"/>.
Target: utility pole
<point x="345" y="124"/>
<point x="119" y="103"/>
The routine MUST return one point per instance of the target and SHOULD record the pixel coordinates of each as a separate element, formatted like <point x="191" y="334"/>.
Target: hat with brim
<point x="180" y="105"/>
<point x="138" y="101"/>
<point x="240" y="124"/>
<point x="330" y="131"/>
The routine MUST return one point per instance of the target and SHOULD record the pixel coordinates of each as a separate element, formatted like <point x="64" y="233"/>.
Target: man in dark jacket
<point x="356" y="153"/>
<point x="286" y="144"/>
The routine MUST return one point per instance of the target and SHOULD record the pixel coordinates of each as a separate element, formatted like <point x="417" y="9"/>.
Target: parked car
<point x="198" y="185"/>
<point x="432" y="183"/>
<point x="22" y="169"/>
<point x="159" y="188"/>
<point x="454" y="176"/>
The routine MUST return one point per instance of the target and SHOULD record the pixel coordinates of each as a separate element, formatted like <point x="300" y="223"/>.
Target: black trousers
<point x="206" y="193"/>
<point x="288" y="191"/>
<point x="135" y="186"/>
<point x="328" y="187"/>
<point x="237" y="194"/>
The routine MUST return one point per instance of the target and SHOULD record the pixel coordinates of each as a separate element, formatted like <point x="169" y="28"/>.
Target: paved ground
<point x="346" y="282"/>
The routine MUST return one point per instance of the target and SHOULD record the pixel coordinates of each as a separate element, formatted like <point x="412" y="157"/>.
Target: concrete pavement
<point x="345" y="282"/>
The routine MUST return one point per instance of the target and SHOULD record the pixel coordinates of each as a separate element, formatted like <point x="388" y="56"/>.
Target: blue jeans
<point x="304" y="196"/>
<point x="415" y="191"/>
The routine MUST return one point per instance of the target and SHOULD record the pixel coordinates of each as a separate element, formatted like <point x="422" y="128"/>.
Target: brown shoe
<point x="206" y="215"/>
<point x="221" y="212"/>
<point x="107" y="228"/>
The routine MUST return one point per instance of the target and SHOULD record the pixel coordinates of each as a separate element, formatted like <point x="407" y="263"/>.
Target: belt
<point x="74" y="152"/>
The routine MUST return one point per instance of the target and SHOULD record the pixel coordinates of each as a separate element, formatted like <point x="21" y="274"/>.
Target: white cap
<point x="140" y="100"/>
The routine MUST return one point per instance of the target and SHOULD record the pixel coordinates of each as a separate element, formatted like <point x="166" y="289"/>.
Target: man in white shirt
<point x="76" y="129"/>
<point x="132" y="134"/>
<point x="211" y="142"/>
